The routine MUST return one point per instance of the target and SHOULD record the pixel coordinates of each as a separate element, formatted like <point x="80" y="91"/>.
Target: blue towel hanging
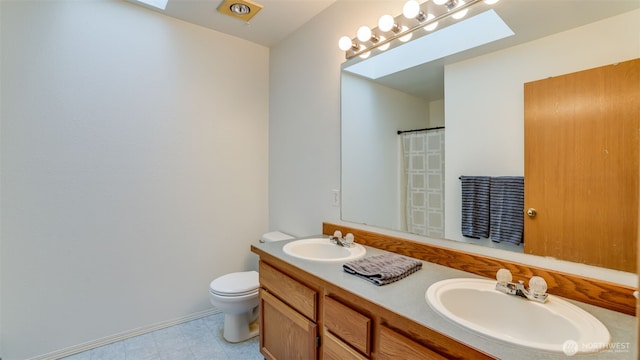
<point x="475" y="206"/>
<point x="507" y="209"/>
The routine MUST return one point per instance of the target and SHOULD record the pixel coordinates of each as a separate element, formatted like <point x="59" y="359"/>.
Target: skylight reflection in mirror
<point x="160" y="4"/>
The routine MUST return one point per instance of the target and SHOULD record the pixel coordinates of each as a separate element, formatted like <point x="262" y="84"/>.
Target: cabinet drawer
<point x="396" y="346"/>
<point x="347" y="324"/>
<point x="334" y="349"/>
<point x="295" y="294"/>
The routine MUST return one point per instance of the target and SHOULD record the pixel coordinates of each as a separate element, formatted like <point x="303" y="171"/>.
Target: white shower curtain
<point x="423" y="161"/>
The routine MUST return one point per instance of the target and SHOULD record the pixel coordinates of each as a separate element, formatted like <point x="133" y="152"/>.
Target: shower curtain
<point x="423" y="162"/>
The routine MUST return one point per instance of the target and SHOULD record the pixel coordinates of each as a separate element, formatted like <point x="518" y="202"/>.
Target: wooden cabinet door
<point x="284" y="333"/>
<point x="581" y="166"/>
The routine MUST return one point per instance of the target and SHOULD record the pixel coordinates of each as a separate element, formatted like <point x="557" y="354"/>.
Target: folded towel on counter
<point x="383" y="269"/>
<point x="475" y="206"/>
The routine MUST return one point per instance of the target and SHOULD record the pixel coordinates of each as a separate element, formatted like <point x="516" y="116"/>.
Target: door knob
<point x="531" y="212"/>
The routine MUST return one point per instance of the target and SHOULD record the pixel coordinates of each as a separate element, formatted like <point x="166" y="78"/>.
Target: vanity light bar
<point x="362" y="45"/>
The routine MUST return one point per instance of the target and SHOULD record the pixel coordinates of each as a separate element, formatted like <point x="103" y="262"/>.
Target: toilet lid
<point x="238" y="283"/>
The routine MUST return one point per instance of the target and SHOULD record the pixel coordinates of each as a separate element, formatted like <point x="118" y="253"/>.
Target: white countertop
<point x="407" y="298"/>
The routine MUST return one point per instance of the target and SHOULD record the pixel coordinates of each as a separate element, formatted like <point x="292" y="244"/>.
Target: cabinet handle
<point x="531" y="212"/>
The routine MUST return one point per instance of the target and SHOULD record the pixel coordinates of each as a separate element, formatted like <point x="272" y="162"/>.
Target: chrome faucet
<point x="536" y="291"/>
<point x="346" y="241"/>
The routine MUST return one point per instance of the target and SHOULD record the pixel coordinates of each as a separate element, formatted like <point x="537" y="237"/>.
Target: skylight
<point x="472" y="32"/>
<point x="160" y="4"/>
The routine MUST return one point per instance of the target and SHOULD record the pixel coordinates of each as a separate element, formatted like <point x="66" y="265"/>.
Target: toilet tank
<point x="275" y="236"/>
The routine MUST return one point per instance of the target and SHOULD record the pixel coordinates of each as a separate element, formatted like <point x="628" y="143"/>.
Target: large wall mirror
<point x="477" y="97"/>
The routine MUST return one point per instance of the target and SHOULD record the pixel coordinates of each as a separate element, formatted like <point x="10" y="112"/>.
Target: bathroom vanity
<point x="315" y="310"/>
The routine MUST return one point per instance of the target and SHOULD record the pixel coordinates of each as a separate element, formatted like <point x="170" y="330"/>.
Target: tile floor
<point x="199" y="339"/>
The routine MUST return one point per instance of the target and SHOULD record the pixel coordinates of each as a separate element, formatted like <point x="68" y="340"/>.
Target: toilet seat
<point x="235" y="284"/>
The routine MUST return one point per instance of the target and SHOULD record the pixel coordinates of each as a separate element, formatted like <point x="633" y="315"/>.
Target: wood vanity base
<point x="305" y="317"/>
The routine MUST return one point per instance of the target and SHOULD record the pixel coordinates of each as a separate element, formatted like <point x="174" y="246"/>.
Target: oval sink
<point x="556" y="325"/>
<point x="321" y="249"/>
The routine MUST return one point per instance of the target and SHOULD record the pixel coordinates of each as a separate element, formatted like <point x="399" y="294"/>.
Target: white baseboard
<point x="122" y="336"/>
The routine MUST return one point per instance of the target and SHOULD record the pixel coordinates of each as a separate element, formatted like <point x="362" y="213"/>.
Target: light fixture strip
<point x="351" y="53"/>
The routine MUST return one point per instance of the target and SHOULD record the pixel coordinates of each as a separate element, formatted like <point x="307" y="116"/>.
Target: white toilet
<point x="236" y="295"/>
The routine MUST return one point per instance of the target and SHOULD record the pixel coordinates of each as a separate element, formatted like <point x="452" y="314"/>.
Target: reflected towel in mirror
<point x="507" y="209"/>
<point x="475" y="206"/>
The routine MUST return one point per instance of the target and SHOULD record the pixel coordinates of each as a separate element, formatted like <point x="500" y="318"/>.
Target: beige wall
<point x="133" y="171"/>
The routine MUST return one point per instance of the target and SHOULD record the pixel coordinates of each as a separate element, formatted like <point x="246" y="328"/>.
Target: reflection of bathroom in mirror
<point x="477" y="95"/>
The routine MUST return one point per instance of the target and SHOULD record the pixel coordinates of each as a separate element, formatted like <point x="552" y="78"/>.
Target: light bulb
<point x="364" y="33"/>
<point x="460" y="14"/>
<point x="490" y="2"/>
<point x="386" y="23"/>
<point x="345" y="43"/>
<point x="431" y="26"/>
<point x="440" y="2"/>
<point x="366" y="54"/>
<point x="411" y="9"/>
<point x="385" y="46"/>
<point x="406" y="37"/>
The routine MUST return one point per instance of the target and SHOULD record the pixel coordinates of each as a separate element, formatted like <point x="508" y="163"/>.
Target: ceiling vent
<point x="240" y="9"/>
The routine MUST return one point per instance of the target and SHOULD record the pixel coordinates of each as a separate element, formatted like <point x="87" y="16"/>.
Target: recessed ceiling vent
<point x="240" y="9"/>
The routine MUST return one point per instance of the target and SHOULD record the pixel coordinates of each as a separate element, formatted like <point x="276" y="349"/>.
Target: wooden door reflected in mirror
<point x="581" y="166"/>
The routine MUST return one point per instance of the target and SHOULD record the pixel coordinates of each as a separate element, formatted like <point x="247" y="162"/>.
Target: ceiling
<point x="529" y="19"/>
<point x="273" y="23"/>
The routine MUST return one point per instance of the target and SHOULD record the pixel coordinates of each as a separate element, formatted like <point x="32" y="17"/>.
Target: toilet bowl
<point x="236" y="295"/>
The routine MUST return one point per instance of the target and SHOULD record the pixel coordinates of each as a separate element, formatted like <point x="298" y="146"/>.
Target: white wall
<point x="485" y="131"/>
<point x="371" y="192"/>
<point x="134" y="166"/>
<point x="436" y="113"/>
<point x="1" y="87"/>
<point x="304" y="116"/>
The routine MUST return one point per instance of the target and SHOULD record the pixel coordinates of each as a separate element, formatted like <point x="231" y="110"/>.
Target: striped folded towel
<point x="383" y="269"/>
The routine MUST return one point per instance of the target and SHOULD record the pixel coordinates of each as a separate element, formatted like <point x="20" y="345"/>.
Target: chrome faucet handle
<point x="537" y="286"/>
<point x="346" y="241"/>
